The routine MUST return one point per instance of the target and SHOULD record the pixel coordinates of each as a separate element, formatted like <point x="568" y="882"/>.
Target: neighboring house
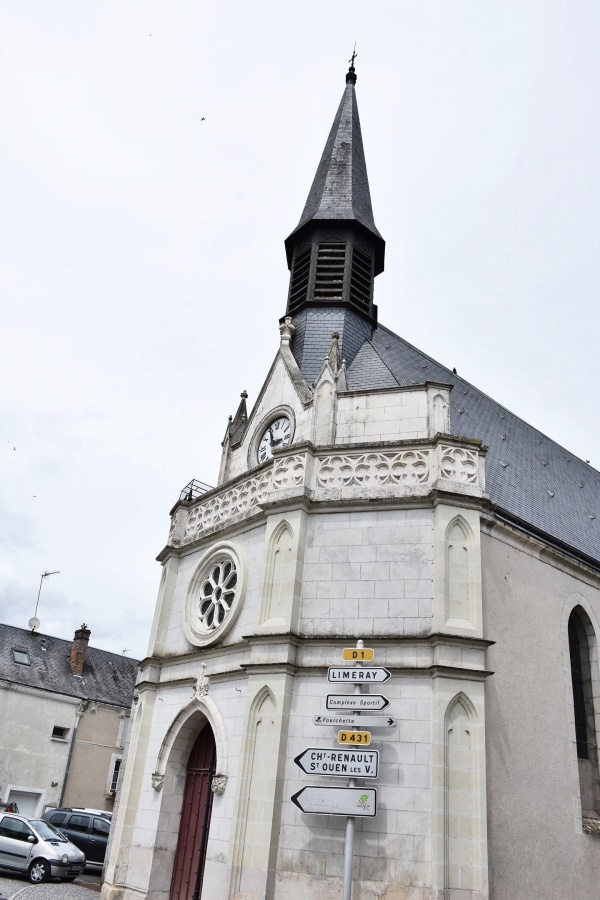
<point x="371" y="494"/>
<point x="64" y="715"/>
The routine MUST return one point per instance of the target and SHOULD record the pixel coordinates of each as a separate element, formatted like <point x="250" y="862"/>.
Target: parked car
<point x="87" y="831"/>
<point x="37" y="848"/>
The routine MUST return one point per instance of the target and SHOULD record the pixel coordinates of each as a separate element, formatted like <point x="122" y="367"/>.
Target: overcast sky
<point x="154" y="156"/>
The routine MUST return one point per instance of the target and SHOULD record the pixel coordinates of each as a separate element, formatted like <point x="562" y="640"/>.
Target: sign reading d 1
<point x="358" y="675"/>
<point x="358" y="654"/>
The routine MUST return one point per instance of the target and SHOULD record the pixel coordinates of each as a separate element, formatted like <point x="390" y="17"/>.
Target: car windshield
<point x="46" y="831"/>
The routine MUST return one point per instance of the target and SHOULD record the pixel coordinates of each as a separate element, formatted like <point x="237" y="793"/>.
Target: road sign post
<point x="351" y="760"/>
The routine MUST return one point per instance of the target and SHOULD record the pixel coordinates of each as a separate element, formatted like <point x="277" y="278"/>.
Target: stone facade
<point x="370" y="519"/>
<point x="332" y="542"/>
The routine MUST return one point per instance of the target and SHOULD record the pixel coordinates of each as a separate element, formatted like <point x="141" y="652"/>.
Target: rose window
<point x="217" y="593"/>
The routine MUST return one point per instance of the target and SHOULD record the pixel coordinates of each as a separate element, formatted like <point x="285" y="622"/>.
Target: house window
<point x="115" y="775"/>
<point x="59" y="733"/>
<point x="21" y="657"/>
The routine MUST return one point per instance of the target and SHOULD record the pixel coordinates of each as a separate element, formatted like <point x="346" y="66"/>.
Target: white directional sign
<point x="357" y="701"/>
<point x="337" y="801"/>
<point x="348" y="763"/>
<point x="355" y="721"/>
<point x="358" y="675"/>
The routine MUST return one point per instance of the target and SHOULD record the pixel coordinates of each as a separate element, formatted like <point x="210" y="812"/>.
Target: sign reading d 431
<point x="354" y="737"/>
<point x="358" y="654"/>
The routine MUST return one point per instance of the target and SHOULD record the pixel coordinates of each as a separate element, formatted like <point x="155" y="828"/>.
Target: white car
<point x="36" y="848"/>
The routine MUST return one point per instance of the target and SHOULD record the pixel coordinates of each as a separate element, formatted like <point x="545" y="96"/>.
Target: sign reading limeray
<point x="356" y="701"/>
<point x="368" y="675"/>
<point x="348" y="763"/>
<point x="352" y="721"/>
<point x="334" y="801"/>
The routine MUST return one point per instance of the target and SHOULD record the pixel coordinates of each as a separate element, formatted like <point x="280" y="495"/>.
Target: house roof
<point x="529" y="477"/>
<point x="106" y="677"/>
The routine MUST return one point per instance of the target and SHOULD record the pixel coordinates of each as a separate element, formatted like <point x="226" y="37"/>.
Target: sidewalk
<point x="19" y="889"/>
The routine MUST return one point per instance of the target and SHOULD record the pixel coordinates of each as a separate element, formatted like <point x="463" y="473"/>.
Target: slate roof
<point x="529" y="477"/>
<point x="340" y="189"/>
<point x="106" y="678"/>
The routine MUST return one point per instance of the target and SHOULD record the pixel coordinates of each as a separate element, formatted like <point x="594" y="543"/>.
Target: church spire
<point x="336" y="250"/>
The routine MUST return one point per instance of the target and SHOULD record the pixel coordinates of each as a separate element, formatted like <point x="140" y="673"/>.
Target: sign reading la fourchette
<point x="335" y="801"/>
<point x="356" y="675"/>
<point x="356" y="701"/>
<point x="354" y="721"/>
<point x="348" y="763"/>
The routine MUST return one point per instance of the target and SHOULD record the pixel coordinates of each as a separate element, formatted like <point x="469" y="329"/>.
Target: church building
<point x="371" y="495"/>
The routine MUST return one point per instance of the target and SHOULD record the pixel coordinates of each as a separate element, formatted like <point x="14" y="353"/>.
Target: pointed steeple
<point x="340" y="189"/>
<point x="335" y="251"/>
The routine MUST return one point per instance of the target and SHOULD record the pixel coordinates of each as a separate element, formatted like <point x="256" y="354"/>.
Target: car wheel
<point x="39" y="871"/>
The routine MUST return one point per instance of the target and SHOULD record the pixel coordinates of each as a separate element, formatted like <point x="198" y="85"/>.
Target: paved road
<point x="82" y="888"/>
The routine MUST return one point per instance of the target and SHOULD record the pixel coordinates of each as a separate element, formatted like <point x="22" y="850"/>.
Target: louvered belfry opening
<point x="329" y="274"/>
<point x="299" y="279"/>
<point x="332" y="271"/>
<point x="361" y="278"/>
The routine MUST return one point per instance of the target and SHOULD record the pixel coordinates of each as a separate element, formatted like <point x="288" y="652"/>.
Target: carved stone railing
<point x="369" y="469"/>
<point x="326" y="476"/>
<point x="234" y="503"/>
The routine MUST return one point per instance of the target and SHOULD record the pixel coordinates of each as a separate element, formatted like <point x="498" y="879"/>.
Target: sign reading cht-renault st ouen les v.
<point x="348" y="763"/>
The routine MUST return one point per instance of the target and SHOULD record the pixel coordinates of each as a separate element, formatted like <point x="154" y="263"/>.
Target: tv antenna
<point x="34" y="622"/>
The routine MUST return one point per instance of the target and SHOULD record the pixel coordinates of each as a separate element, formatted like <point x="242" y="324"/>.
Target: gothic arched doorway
<point x="195" y="819"/>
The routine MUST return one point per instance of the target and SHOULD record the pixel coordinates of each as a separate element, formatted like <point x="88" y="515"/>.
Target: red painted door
<point x="195" y="819"/>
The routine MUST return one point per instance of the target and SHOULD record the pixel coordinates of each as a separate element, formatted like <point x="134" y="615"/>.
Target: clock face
<point x="276" y="437"/>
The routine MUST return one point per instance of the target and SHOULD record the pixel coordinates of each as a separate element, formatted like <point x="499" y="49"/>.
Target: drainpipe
<point x="83" y="705"/>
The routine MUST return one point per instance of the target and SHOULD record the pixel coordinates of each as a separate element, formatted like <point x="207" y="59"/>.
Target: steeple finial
<point x="351" y="74"/>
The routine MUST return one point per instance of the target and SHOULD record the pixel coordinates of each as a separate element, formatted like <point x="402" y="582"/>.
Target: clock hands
<point x="274" y="441"/>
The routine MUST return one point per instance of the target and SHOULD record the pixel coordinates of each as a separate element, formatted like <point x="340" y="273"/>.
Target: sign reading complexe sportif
<point x="356" y="701"/>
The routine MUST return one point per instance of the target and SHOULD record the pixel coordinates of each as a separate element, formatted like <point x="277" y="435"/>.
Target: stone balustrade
<point x="323" y="476"/>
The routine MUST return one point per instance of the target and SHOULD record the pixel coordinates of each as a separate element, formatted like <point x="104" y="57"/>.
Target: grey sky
<point x="142" y="270"/>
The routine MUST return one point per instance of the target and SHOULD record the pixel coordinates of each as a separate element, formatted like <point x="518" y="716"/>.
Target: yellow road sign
<point x="354" y="654"/>
<point x="354" y="737"/>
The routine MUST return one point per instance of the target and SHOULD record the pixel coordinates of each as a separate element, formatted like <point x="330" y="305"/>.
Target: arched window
<point x="458" y="576"/>
<point x="280" y="573"/>
<point x="461" y="814"/>
<point x="581" y="649"/>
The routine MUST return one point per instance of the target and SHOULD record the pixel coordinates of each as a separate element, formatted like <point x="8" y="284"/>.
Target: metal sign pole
<point x="349" y="839"/>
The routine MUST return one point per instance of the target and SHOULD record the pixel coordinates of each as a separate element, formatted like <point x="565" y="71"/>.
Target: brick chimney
<point x="79" y="649"/>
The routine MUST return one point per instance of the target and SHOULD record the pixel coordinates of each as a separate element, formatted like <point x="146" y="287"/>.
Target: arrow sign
<point x="347" y="763"/>
<point x="357" y="675"/>
<point x="356" y="701"/>
<point x="354" y="721"/>
<point x="335" y="801"/>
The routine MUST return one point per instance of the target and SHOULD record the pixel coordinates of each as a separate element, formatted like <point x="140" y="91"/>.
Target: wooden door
<point x="195" y="819"/>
